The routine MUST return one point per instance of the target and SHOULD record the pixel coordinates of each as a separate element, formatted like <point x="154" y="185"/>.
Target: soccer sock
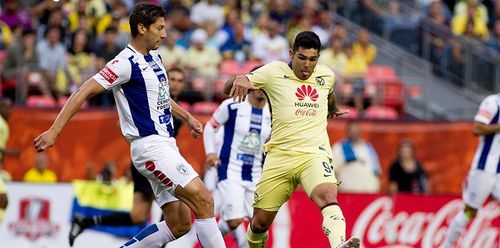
<point x="256" y="240"/>
<point x="240" y="235"/>
<point x="223" y="227"/>
<point x="456" y="228"/>
<point x="117" y="219"/>
<point x="155" y="235"/>
<point x="334" y="225"/>
<point x="208" y="234"/>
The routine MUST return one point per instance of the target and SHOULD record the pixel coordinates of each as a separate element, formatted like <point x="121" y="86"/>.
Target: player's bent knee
<point x="258" y="227"/>
<point x="324" y="193"/>
<point x="180" y="228"/>
<point x="204" y="204"/>
<point x="233" y="224"/>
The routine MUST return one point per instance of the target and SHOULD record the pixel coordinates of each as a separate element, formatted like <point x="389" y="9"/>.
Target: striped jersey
<point x="140" y="87"/>
<point x="487" y="155"/>
<point x="246" y="129"/>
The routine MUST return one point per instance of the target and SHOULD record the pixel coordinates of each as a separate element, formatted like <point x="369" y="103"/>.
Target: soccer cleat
<point x="350" y="243"/>
<point x="76" y="228"/>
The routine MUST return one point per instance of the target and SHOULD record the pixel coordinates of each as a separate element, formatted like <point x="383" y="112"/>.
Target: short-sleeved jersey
<point x="246" y="129"/>
<point x="299" y="108"/>
<point x="487" y="155"/>
<point x="140" y="87"/>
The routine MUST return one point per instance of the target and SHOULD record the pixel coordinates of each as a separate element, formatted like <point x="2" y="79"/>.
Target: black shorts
<point x="141" y="183"/>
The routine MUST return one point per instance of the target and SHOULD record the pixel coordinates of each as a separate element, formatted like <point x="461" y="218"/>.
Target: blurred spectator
<point x="5" y="108"/>
<point x="260" y="26"/>
<point x="178" y="15"/>
<point x="204" y="61"/>
<point x="108" y="173"/>
<point x="13" y="16"/>
<point x="356" y="163"/>
<point x="81" y="10"/>
<point x="324" y="28"/>
<point x="363" y="48"/>
<point x="4" y="174"/>
<point x="108" y="49"/>
<point x="271" y="45"/>
<point x="170" y="52"/>
<point x="40" y="173"/>
<point x="444" y="11"/>
<point x="55" y="18"/>
<point x="494" y="13"/>
<point x="4" y="201"/>
<point x="122" y="35"/>
<point x="406" y="173"/>
<point x="81" y="61"/>
<point x="177" y="83"/>
<point x="305" y="23"/>
<point x="215" y="36"/>
<point x="280" y="11"/>
<point x="5" y="35"/>
<point x="473" y="8"/>
<point x="340" y="32"/>
<point x="207" y="10"/>
<point x="372" y="14"/>
<point x="119" y="14"/>
<point x="237" y="46"/>
<point x="52" y="55"/>
<point x="334" y="56"/>
<point x="494" y="39"/>
<point x="461" y="22"/>
<point x="356" y="64"/>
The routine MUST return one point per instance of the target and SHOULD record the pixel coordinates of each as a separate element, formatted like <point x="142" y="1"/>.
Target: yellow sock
<point x="334" y="225"/>
<point x="256" y="240"/>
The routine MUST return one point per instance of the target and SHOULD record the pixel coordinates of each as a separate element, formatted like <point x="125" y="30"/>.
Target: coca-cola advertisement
<point x="395" y="221"/>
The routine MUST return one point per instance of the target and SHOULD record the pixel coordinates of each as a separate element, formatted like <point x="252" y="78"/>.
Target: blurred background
<point x="411" y="72"/>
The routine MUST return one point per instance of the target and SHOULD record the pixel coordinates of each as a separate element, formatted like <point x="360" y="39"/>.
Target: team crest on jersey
<point x="181" y="168"/>
<point x="163" y="95"/>
<point x="320" y="81"/>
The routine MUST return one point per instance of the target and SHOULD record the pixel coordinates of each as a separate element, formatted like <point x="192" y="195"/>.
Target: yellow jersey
<point x="299" y="108"/>
<point x="35" y="176"/>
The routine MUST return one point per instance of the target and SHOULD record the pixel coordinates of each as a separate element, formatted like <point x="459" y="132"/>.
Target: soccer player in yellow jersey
<point x="301" y="98"/>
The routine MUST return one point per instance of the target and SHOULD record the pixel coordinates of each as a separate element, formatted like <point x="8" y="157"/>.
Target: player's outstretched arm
<point x="238" y="87"/>
<point x="484" y="129"/>
<point x="195" y="125"/>
<point x="333" y="110"/>
<point x="47" y="139"/>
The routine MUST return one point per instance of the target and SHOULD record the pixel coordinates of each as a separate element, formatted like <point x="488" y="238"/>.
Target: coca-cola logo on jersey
<point x="378" y="225"/>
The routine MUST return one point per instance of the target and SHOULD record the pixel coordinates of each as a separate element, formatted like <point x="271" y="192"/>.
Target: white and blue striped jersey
<point x="140" y="87"/>
<point x="487" y="155"/>
<point x="246" y="129"/>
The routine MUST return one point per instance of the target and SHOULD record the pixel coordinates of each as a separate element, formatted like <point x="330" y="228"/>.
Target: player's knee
<point x="259" y="226"/>
<point x="233" y="224"/>
<point x="204" y="203"/>
<point x="180" y="228"/>
<point x="324" y="194"/>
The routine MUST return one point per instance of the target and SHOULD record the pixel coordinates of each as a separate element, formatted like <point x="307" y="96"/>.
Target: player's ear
<point x="141" y="28"/>
<point x="291" y="53"/>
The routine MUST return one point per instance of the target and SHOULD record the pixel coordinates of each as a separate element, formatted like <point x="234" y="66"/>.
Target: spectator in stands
<point x="372" y="14"/>
<point x="40" y="173"/>
<point x="4" y="201"/>
<point x="340" y="32"/>
<point x="178" y="15"/>
<point x="260" y="26"/>
<point x="303" y="24"/>
<point x="52" y="55"/>
<point x="108" y="49"/>
<point x="5" y="108"/>
<point x="22" y="68"/>
<point x="13" y="16"/>
<point x="494" y="39"/>
<point x="80" y="11"/>
<point x="356" y="65"/>
<point x="334" y="56"/>
<point x="325" y="27"/>
<point x="356" y="163"/>
<point x="5" y="35"/>
<point x="406" y="173"/>
<point x="55" y="18"/>
<point x="280" y="11"/>
<point x="177" y="83"/>
<point x="465" y="7"/>
<point x="462" y="21"/>
<point x="119" y="14"/>
<point x="204" y="61"/>
<point x="363" y="48"/>
<point x="4" y="174"/>
<point x="207" y="10"/>
<point x="215" y="36"/>
<point x="271" y="45"/>
<point x="237" y="47"/>
<point x="170" y="52"/>
<point x="81" y="60"/>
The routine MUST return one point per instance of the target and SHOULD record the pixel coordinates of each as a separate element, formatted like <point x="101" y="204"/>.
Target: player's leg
<point x="273" y="189"/>
<point x="234" y="207"/>
<point x="319" y="182"/>
<point x="477" y="187"/>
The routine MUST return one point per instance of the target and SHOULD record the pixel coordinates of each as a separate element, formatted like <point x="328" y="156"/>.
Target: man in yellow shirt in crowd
<point x="301" y="99"/>
<point x="40" y="173"/>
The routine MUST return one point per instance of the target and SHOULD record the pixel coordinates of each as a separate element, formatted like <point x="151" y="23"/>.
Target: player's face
<point x="304" y="61"/>
<point x="176" y="83"/>
<point x="155" y="34"/>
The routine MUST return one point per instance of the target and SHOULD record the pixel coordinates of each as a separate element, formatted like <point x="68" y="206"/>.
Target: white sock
<point x="456" y="228"/>
<point x="223" y="227"/>
<point x="240" y="235"/>
<point x="208" y="233"/>
<point x="155" y="235"/>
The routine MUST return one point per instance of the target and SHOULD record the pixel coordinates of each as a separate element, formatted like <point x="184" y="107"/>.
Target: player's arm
<point x="480" y="128"/>
<point x="186" y="117"/>
<point x="333" y="110"/>
<point x="47" y="139"/>
<point x="219" y="118"/>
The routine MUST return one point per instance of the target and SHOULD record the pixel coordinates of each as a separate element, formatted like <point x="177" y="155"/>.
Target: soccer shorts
<point x="158" y="159"/>
<point x="478" y="186"/>
<point x="236" y="198"/>
<point x="284" y="170"/>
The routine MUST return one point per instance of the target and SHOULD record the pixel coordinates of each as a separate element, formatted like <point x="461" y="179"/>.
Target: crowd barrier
<point x="445" y="148"/>
<point x="39" y="216"/>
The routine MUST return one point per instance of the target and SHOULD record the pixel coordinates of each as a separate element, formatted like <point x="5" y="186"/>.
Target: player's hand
<point x="45" y="140"/>
<point x="212" y="160"/>
<point x="195" y="126"/>
<point x="337" y="112"/>
<point x="240" y="89"/>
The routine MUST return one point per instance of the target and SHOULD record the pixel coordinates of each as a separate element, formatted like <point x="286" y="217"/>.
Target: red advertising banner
<point x="395" y="221"/>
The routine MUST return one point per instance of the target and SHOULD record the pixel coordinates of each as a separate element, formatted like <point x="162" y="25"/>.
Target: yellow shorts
<point x="283" y="171"/>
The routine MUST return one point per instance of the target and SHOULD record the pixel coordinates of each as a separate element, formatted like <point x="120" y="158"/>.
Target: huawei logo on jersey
<point x="306" y="91"/>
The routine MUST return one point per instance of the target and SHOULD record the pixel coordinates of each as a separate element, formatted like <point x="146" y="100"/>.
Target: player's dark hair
<point x="145" y="14"/>
<point x="307" y="40"/>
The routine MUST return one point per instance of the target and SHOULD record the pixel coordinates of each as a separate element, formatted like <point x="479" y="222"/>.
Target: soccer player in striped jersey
<point x="140" y="87"/>
<point x="484" y="176"/>
<point x="246" y="126"/>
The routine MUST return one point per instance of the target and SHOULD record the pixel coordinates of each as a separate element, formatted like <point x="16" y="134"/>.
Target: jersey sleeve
<point x="261" y="77"/>
<point x="487" y="110"/>
<point x="219" y="118"/>
<point x="114" y="73"/>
